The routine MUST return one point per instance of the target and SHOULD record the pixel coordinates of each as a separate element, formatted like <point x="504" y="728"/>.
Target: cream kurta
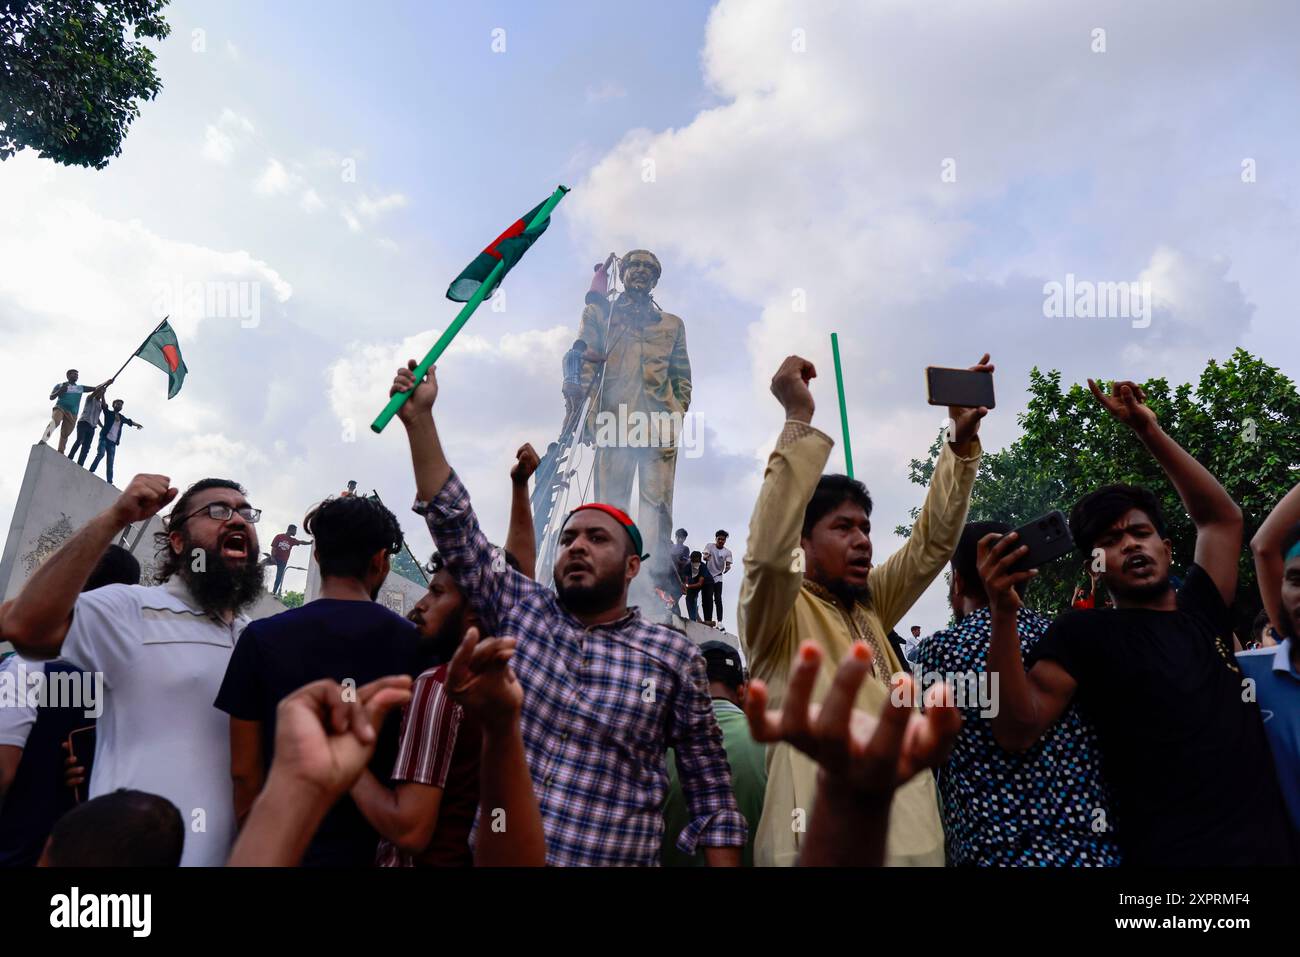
<point x="778" y="610"/>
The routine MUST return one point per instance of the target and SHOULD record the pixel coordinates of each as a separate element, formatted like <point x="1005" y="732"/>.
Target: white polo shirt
<point x="17" y="719"/>
<point x="163" y="660"/>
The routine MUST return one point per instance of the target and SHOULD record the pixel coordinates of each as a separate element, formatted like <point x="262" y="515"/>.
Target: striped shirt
<point x="602" y="705"/>
<point x="430" y="722"/>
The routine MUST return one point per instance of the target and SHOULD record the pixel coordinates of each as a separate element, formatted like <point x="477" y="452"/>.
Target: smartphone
<point x="1048" y="538"/>
<point x="959" y="387"/>
<point x="81" y="742"/>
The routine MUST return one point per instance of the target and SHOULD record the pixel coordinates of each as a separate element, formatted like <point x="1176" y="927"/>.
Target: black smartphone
<point x="959" y="387"/>
<point x="81" y="744"/>
<point x="1048" y="538"/>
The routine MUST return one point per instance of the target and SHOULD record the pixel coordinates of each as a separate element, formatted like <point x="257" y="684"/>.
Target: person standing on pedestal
<point x="281" y="548"/>
<point x="67" y="400"/>
<point x="86" y="423"/>
<point x="110" y="435"/>
<point x="718" y="557"/>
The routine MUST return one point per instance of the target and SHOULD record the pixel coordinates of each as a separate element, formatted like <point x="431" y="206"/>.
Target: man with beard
<point x="345" y="636"/>
<point x="1183" y="744"/>
<point x="606" y="692"/>
<point x="809" y="576"/>
<point x="162" y="649"/>
<point x="425" y="819"/>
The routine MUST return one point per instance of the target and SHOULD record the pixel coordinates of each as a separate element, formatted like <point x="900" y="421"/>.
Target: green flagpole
<point x="462" y="317"/>
<point x="844" y="412"/>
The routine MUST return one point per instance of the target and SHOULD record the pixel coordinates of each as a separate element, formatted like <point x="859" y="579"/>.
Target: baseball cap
<point x="723" y="663"/>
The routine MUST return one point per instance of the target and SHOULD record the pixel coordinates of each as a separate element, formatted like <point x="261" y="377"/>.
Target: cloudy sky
<point x="908" y="174"/>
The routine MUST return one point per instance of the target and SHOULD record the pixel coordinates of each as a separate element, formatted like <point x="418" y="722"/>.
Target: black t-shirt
<point x="326" y="638"/>
<point x="700" y="576"/>
<point x="1191" y="769"/>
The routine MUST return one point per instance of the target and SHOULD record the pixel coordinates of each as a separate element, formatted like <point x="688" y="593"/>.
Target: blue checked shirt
<point x="601" y="706"/>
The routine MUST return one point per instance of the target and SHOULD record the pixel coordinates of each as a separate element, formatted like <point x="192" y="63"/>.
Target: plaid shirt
<point x="601" y="706"/>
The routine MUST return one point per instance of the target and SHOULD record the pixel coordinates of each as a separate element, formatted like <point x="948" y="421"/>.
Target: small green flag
<point x="164" y="351"/>
<point x="508" y="248"/>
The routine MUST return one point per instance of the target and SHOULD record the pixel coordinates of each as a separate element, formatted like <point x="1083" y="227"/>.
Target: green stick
<point x="844" y="412"/>
<point x="462" y="317"/>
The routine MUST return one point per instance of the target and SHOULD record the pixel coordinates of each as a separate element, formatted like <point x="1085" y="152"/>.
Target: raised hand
<point x="1127" y="402"/>
<point x="790" y="386"/>
<point x="480" y="680"/>
<point x="870" y="756"/>
<point x="994" y="557"/>
<point x="143" y="498"/>
<point x="965" y="420"/>
<point x="526" y="462"/>
<point x="323" y="741"/>
<point x="426" y="392"/>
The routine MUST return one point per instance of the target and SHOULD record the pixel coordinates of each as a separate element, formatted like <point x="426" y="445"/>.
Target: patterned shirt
<point x="1046" y="807"/>
<point x="430" y="722"/>
<point x="601" y="707"/>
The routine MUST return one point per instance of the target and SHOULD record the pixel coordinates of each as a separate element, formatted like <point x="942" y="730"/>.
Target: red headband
<point x="619" y="516"/>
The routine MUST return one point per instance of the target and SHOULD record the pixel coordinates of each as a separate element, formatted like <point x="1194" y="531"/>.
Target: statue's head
<point x="641" y="271"/>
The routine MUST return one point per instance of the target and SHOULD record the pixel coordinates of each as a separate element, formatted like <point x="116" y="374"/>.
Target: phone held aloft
<point x="959" y="387"/>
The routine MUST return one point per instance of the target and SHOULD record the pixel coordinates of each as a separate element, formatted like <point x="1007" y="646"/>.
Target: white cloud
<point x="374" y="208"/>
<point x="236" y="121"/>
<point x="609" y="90"/>
<point x="310" y="201"/>
<point x="221" y="139"/>
<point x="275" y="179"/>
<point x="91" y="276"/>
<point x="217" y="145"/>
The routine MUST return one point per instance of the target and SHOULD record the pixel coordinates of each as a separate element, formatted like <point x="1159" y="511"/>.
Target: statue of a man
<point x="636" y="411"/>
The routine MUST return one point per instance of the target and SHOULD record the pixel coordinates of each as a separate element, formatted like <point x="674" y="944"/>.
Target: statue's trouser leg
<point x="657" y="469"/>
<point x="614" y="468"/>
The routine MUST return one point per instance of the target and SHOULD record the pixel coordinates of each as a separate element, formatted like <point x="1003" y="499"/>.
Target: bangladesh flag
<point x="509" y="248"/>
<point x="162" y="350"/>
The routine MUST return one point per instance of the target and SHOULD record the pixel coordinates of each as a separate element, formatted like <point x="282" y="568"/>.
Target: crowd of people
<point x="699" y="575"/>
<point x="510" y="721"/>
<point x="98" y="413"/>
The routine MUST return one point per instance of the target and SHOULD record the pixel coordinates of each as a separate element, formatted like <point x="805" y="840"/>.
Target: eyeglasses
<point x="221" y="513"/>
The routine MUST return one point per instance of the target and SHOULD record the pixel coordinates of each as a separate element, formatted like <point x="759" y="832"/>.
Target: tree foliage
<point x="1239" y="421"/>
<point x="72" y="73"/>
